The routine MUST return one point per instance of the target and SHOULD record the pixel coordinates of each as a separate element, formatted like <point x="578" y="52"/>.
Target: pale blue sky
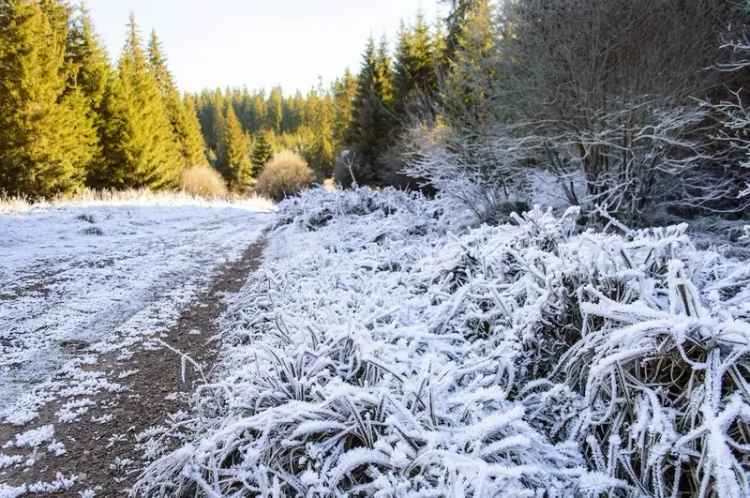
<point x="257" y="43"/>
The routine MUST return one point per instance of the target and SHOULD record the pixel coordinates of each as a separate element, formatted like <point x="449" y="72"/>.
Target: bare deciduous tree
<point x="609" y="88"/>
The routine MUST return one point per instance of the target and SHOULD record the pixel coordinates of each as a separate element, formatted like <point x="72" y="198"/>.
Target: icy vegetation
<point x="386" y="349"/>
<point x="132" y="198"/>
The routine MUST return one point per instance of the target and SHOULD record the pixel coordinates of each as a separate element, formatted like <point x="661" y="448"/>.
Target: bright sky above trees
<point x="258" y="43"/>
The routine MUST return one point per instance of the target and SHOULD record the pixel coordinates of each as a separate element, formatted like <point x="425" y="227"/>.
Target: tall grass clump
<point x="203" y="181"/>
<point x="285" y="175"/>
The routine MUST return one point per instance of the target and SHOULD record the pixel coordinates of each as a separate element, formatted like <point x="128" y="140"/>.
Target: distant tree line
<point x="70" y="119"/>
<point x="359" y="116"/>
<point x="256" y="124"/>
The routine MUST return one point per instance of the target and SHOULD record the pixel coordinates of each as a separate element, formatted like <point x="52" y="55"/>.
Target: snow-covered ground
<point x="78" y="279"/>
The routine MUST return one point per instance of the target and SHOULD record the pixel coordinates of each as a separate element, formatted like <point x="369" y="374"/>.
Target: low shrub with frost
<point x="381" y="352"/>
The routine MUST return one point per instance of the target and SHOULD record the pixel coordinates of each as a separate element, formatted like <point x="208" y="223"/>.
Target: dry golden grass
<point x="286" y="174"/>
<point x="204" y="181"/>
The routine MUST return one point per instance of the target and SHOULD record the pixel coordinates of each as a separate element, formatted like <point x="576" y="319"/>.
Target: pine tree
<point x="205" y="111"/>
<point x="216" y="124"/>
<point x="58" y="14"/>
<point x="415" y="78"/>
<point x="233" y="160"/>
<point x="262" y="153"/>
<point x="185" y="124"/>
<point x="46" y="138"/>
<point x="439" y="48"/>
<point x="139" y="145"/>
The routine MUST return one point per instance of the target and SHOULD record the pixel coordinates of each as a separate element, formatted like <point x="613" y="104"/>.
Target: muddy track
<point x="105" y="456"/>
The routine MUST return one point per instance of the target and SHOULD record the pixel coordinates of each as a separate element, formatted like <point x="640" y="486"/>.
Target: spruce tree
<point x="88" y="57"/>
<point x="90" y="75"/>
<point x="321" y="152"/>
<point x="215" y="120"/>
<point x="294" y="113"/>
<point x="194" y="148"/>
<point x="344" y="92"/>
<point x="439" y="50"/>
<point x="456" y="23"/>
<point x="262" y="153"/>
<point x="275" y="112"/>
<point x="218" y="126"/>
<point x="233" y="159"/>
<point x="58" y="14"/>
<point x="139" y="145"/>
<point x="384" y="75"/>
<point x="185" y="124"/>
<point x="415" y="78"/>
<point x="260" y="111"/>
<point x="373" y="122"/>
<point x="472" y="72"/>
<point x="205" y="110"/>
<point x="46" y="137"/>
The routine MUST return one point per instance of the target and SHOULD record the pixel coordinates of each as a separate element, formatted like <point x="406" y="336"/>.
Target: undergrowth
<point x="383" y="350"/>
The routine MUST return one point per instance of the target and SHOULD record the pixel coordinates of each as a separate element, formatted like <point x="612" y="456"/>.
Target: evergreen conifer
<point x="233" y="157"/>
<point x="184" y="122"/>
<point x="415" y="75"/>
<point x="139" y="145"/>
<point x="262" y="153"/>
<point x="373" y="122"/>
<point x="472" y="71"/>
<point x="46" y="137"/>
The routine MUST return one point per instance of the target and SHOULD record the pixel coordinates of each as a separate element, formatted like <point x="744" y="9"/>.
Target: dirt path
<point x="103" y="452"/>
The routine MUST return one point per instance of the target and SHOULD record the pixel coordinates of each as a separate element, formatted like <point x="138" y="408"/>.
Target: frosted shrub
<point x="285" y="175"/>
<point x="664" y="371"/>
<point x="486" y="174"/>
<point x="398" y="356"/>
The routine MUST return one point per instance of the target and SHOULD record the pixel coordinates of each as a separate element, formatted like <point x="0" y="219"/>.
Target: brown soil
<point x="92" y="449"/>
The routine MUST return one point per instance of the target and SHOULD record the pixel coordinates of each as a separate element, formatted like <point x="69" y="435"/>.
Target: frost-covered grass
<point x="384" y="350"/>
<point x="143" y="198"/>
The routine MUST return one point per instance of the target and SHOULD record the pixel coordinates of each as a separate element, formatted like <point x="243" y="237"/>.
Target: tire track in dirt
<point x="105" y="456"/>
